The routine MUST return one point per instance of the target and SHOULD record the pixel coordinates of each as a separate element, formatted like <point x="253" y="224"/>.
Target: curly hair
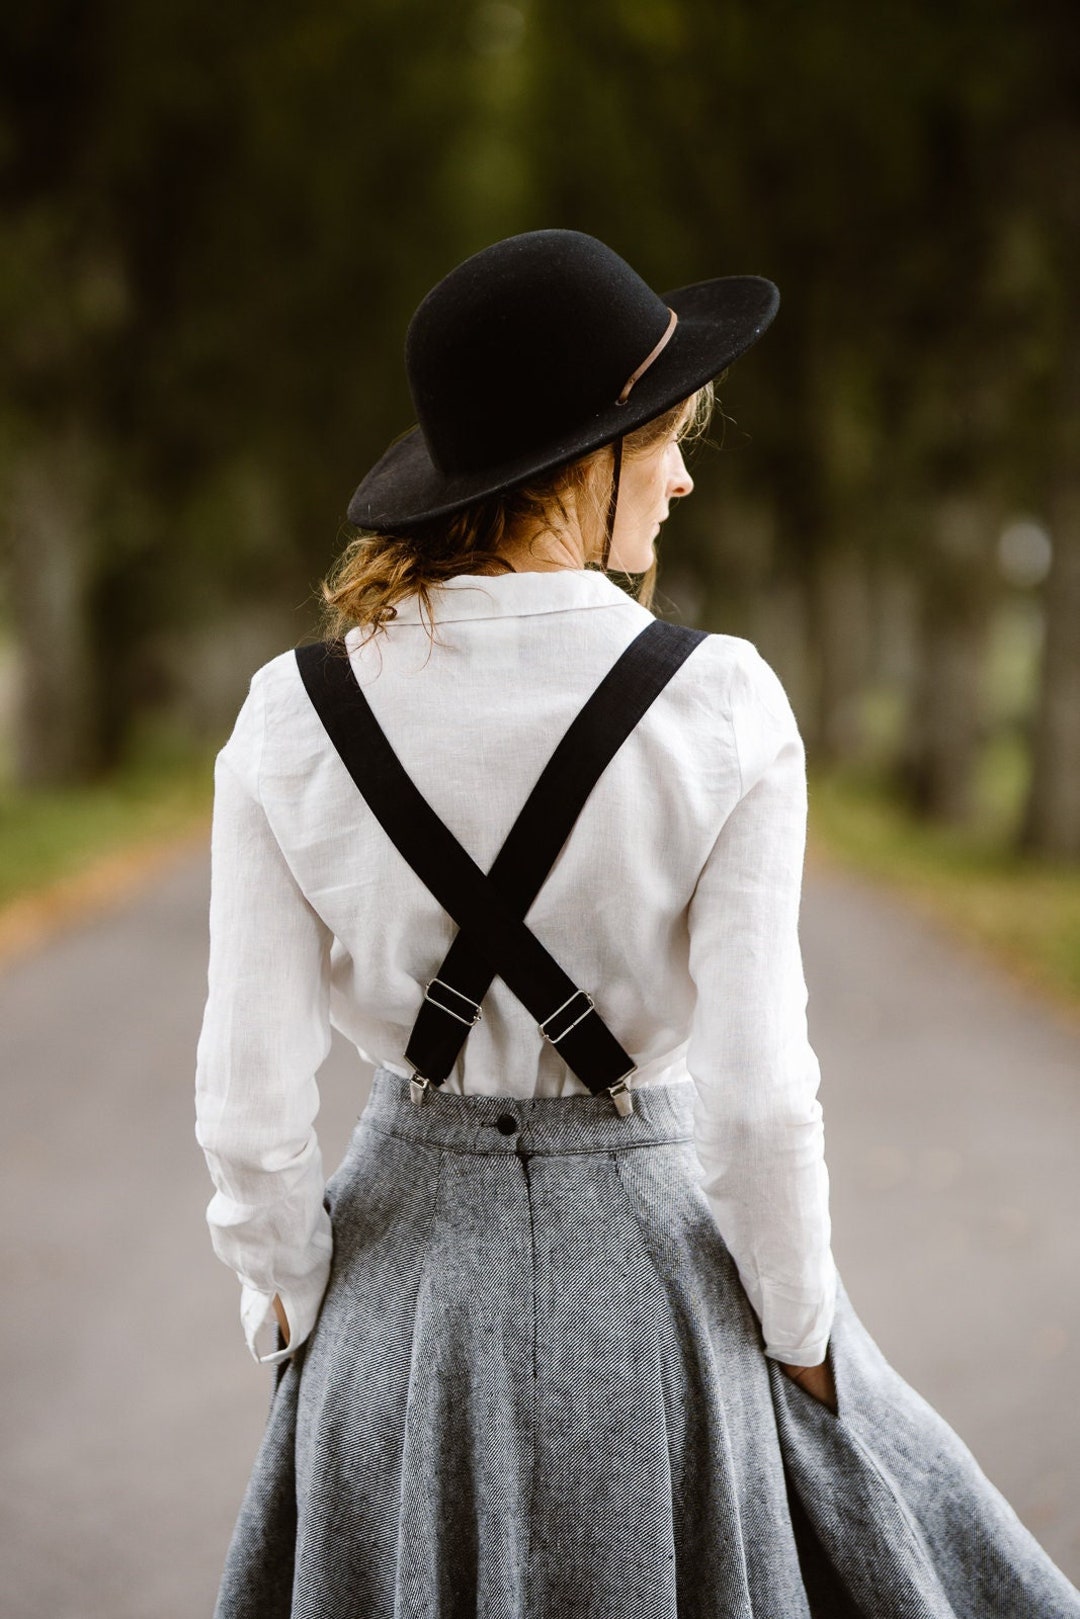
<point x="376" y="570"/>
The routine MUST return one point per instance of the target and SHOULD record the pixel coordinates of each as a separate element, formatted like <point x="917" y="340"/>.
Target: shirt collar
<point x="509" y="595"/>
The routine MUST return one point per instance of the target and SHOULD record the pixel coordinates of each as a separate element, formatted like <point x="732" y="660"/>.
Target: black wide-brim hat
<point x="539" y="350"/>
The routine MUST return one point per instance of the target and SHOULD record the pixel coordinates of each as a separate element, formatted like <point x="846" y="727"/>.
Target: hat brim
<point x="718" y="321"/>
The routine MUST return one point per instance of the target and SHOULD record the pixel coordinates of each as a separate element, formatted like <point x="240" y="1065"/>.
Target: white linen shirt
<point x="674" y="902"/>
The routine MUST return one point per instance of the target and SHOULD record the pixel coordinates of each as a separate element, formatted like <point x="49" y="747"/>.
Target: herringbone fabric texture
<point x="537" y="1390"/>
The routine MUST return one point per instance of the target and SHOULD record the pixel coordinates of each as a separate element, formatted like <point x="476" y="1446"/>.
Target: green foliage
<point x="216" y="222"/>
<point x="46" y="837"/>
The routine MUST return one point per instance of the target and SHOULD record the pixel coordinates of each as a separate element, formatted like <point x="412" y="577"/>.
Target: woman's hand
<point x="283" y="1320"/>
<point x="816" y="1380"/>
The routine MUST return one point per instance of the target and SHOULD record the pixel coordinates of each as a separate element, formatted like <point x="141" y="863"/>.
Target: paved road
<point x="132" y="1413"/>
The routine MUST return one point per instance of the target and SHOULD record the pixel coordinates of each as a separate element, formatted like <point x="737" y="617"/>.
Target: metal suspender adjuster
<point x="555" y="1038"/>
<point x="620" y="1091"/>
<point x="477" y="1009"/>
<point x="419" y="1083"/>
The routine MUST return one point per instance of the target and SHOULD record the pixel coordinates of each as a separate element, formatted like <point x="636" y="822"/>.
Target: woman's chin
<point x="638" y="560"/>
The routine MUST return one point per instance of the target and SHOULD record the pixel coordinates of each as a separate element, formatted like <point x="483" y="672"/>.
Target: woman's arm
<point x="265" y="1033"/>
<point x="760" y="1134"/>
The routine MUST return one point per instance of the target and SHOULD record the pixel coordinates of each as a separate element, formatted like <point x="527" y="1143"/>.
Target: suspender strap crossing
<point x="490" y="908"/>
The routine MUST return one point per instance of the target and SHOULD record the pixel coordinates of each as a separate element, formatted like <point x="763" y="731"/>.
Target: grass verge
<point x="65" y="854"/>
<point x="46" y="836"/>
<point x="1023" y="910"/>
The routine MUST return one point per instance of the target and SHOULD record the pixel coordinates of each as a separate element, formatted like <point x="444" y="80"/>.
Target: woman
<point x="563" y="1334"/>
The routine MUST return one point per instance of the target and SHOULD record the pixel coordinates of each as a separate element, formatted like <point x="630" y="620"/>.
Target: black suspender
<point x="489" y="908"/>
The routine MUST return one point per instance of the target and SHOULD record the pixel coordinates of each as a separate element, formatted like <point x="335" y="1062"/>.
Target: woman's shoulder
<point x="276" y="707"/>
<point x="280" y="672"/>
<point x="737" y="677"/>
<point x="278" y="684"/>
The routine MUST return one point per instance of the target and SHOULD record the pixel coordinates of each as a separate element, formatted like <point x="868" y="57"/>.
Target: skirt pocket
<point x="841" y="1396"/>
<point x="858" y="1513"/>
<point x="897" y="1501"/>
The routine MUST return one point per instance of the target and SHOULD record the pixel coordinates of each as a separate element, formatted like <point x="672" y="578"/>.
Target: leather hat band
<point x="649" y="358"/>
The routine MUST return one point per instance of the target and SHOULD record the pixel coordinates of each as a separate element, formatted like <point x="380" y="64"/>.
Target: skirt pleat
<point x="536" y="1389"/>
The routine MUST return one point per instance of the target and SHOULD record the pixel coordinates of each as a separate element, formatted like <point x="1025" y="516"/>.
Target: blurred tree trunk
<point x="51" y="565"/>
<point x="938" y="762"/>
<point x="839" y="614"/>
<point x="1051" y="822"/>
<point x="893" y="607"/>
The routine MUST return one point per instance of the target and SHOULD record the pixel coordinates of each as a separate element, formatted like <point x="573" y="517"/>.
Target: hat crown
<point x="524" y="343"/>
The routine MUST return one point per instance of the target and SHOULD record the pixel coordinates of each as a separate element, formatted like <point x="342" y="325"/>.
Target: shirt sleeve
<point x="265" y="1033"/>
<point x="760" y="1132"/>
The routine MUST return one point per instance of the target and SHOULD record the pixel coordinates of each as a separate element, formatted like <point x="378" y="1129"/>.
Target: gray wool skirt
<point x="537" y="1390"/>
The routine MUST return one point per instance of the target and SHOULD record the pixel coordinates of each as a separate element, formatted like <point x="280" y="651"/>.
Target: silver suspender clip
<point x="418" y="1087"/>
<point x="621" y="1095"/>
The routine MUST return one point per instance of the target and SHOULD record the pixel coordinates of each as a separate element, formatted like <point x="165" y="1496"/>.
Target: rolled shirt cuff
<point x="813" y="1356"/>
<point x="259" y="1319"/>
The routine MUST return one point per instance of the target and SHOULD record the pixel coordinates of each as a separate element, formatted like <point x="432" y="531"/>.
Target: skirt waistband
<point x="477" y="1122"/>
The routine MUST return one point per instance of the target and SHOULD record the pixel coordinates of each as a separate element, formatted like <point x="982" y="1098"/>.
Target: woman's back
<point x="474" y="720"/>
<point x="674" y="903"/>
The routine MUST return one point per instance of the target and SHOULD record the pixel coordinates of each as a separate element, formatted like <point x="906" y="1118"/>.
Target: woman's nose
<point x="679" y="480"/>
